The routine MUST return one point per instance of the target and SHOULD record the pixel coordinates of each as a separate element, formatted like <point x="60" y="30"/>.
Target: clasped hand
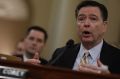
<point x="35" y="60"/>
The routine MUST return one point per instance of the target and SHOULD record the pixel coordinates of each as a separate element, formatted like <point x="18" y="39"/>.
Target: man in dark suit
<point x="93" y="54"/>
<point x="32" y="45"/>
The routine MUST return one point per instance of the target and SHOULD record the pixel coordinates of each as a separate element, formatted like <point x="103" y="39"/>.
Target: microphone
<point x="69" y="44"/>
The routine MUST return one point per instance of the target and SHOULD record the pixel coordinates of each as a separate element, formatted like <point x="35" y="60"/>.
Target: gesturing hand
<point x="100" y="68"/>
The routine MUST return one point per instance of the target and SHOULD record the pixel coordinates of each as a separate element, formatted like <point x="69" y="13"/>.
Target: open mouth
<point x="86" y="32"/>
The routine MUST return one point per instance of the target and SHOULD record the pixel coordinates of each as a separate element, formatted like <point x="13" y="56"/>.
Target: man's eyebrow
<point x="81" y="15"/>
<point x="93" y="15"/>
<point x="84" y="15"/>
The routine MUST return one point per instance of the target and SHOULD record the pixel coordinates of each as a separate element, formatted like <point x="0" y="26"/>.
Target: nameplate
<point x="12" y="73"/>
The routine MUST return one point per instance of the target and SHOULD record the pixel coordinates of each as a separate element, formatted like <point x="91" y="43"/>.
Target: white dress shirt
<point x="25" y="57"/>
<point x="92" y="59"/>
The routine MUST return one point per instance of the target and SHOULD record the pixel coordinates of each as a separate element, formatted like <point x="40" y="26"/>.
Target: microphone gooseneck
<point x="69" y="44"/>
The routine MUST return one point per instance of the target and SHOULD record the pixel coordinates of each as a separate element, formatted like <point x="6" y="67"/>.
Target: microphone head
<point x="70" y="42"/>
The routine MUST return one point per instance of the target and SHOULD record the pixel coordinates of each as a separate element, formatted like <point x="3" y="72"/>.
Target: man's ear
<point x="105" y="25"/>
<point x="105" y="22"/>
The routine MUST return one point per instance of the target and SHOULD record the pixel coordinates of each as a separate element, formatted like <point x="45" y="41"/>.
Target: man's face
<point x="91" y="26"/>
<point x="34" y="41"/>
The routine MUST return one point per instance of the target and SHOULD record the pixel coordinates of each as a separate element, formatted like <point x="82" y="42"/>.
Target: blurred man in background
<point x="34" y="43"/>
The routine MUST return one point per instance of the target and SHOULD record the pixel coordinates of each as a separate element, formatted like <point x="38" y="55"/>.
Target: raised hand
<point x="35" y="60"/>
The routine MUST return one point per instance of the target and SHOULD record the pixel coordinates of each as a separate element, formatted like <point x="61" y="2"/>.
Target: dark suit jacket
<point x="109" y="56"/>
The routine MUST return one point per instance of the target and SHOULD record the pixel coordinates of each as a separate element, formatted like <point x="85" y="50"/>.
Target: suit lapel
<point x="105" y="54"/>
<point x="72" y="56"/>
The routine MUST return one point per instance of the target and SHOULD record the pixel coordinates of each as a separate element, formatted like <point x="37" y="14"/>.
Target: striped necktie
<point x="84" y="59"/>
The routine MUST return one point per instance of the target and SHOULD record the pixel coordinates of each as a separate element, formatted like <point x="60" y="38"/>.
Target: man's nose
<point x="87" y="23"/>
<point x="34" y="42"/>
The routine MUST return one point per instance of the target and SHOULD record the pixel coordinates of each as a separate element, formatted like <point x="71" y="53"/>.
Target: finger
<point x="36" y="56"/>
<point x="33" y="61"/>
<point x="36" y="61"/>
<point x="85" y="69"/>
<point x="99" y="63"/>
<point x="90" y="66"/>
<point x="102" y="66"/>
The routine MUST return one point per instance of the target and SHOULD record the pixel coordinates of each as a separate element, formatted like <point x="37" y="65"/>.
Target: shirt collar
<point x="94" y="52"/>
<point x="25" y="57"/>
